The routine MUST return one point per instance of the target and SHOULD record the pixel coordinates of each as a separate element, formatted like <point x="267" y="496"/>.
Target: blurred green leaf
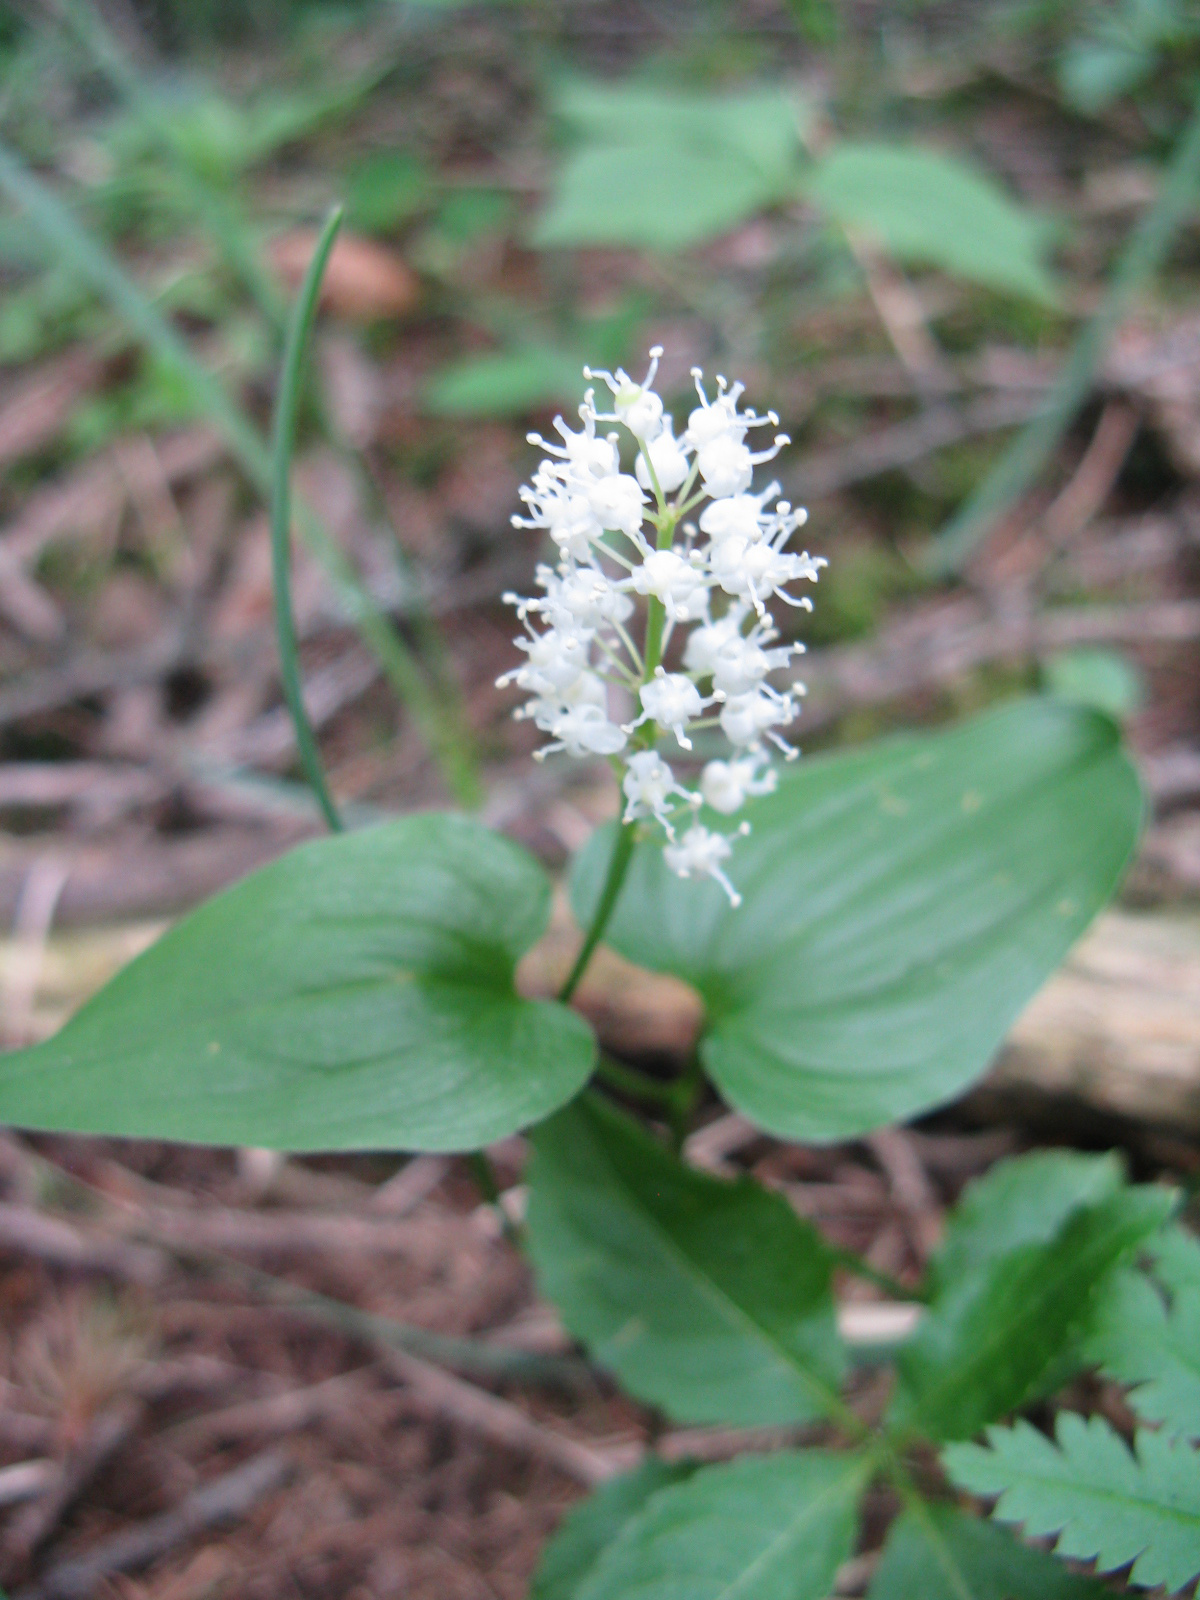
<point x="902" y="902"/>
<point x="506" y="383"/>
<point x="991" y="1334"/>
<point x="1155" y="1349"/>
<point x="935" y="210"/>
<point x="940" y="1553"/>
<point x="774" y="1527"/>
<point x="468" y="213"/>
<point x="665" y="169"/>
<point x="356" y="993"/>
<point x="588" y="1530"/>
<point x="1104" y="1502"/>
<point x="710" y="1299"/>
<point x="1104" y="679"/>
<point x="386" y="189"/>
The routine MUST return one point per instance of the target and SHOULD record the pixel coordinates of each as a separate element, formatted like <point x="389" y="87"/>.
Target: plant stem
<point x="485" y="1180"/>
<point x="290" y="389"/>
<point x="637" y="1085"/>
<point x="618" y="866"/>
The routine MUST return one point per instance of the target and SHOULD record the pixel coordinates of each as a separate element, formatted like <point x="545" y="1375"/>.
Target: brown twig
<point x="439" y="1393"/>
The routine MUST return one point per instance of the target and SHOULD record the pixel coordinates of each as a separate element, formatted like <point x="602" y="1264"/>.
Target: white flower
<point x="649" y="784"/>
<point x="635" y="404"/>
<point x="727" y="463"/>
<point x="588" y="454"/>
<point x="678" y="582"/>
<point x="583" y="731"/>
<point x="746" y="718"/>
<point x="617" y="502"/>
<point x="556" y="660"/>
<point x="581" y="638"/>
<point x="727" y="785"/>
<point x="700" y="854"/>
<point x="671" y="700"/>
<point x="669" y="458"/>
<point x="736" y="516"/>
<point x="705" y="643"/>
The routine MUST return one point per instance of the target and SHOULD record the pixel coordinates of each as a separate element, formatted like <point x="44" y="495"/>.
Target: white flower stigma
<point x="622" y="587"/>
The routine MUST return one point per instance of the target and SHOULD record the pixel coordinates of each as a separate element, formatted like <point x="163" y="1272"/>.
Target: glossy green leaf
<point x="1141" y="1341"/>
<point x="709" y="1299"/>
<point x="901" y="904"/>
<point x="990" y="1335"/>
<point x="357" y="993"/>
<point x="773" y="1527"/>
<point x="665" y="169"/>
<point x="588" y="1530"/>
<point x="938" y="1553"/>
<point x="1103" y="1501"/>
<point x="935" y="210"/>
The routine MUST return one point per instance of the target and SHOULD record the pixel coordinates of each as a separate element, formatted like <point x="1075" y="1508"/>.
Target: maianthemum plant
<point x="862" y="938"/>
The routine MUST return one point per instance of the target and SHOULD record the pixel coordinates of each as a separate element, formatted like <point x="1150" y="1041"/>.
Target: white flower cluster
<point x="616" y="535"/>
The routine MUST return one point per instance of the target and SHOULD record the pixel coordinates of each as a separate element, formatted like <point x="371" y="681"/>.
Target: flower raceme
<point x="709" y="577"/>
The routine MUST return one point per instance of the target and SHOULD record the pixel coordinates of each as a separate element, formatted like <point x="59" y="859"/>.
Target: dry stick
<point x="224" y="1500"/>
<point x="1032" y="449"/>
<point x="58" y="1244"/>
<point x="441" y="1394"/>
<point x="1095" y="475"/>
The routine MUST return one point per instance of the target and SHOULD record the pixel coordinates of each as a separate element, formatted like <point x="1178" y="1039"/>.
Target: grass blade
<point x="290" y="388"/>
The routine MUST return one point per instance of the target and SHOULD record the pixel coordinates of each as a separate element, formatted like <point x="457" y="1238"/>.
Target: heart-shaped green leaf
<point x="357" y="993"/>
<point x="710" y="1299"/>
<point x="901" y="903"/>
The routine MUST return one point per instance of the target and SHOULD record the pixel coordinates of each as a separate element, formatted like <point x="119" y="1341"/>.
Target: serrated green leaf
<point x="595" y="1523"/>
<point x="1138" y="1341"/>
<point x="1175" y="1255"/>
<point x="709" y="1299"/>
<point x="901" y="904"/>
<point x="505" y="383"/>
<point x="357" y="993"/>
<point x="771" y="1527"/>
<point x="1103" y="1502"/>
<point x="935" y="210"/>
<point x="939" y="1553"/>
<point x="665" y="169"/>
<point x="990" y="1335"/>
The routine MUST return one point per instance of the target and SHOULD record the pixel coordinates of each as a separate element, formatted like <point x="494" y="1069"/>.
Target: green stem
<point x="290" y="388"/>
<point x="687" y="1088"/>
<point x="618" y="866"/>
<point x="637" y="1085"/>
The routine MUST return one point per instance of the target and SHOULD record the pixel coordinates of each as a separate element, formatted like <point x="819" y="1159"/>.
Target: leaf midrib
<point x="828" y="1396"/>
